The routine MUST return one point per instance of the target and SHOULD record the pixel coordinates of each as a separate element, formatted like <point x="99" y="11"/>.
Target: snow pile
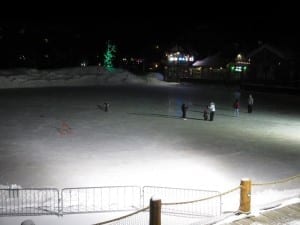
<point x="78" y="76"/>
<point x="12" y="186"/>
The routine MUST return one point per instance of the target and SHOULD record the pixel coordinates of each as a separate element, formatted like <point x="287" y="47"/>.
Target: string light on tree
<point x="109" y="55"/>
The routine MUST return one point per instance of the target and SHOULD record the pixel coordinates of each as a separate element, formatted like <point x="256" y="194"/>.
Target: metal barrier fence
<point x="35" y="201"/>
<point x="29" y="201"/>
<point x="100" y="199"/>
<point x="210" y="207"/>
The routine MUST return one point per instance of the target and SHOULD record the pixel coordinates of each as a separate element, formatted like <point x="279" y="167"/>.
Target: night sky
<point x="85" y="36"/>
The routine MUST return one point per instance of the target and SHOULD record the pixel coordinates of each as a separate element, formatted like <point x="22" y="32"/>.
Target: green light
<point x="109" y="55"/>
<point x="245" y="68"/>
<point x="232" y="68"/>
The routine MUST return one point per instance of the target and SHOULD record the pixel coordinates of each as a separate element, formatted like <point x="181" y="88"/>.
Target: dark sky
<point x="137" y="34"/>
<point x="138" y="29"/>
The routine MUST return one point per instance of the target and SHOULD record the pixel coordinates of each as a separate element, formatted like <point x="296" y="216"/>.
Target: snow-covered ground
<point x="142" y="140"/>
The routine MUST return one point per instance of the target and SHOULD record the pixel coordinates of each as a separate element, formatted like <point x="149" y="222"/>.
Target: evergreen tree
<point x="109" y="55"/>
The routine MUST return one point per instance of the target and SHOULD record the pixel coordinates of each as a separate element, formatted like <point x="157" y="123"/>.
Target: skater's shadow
<point x="163" y="116"/>
<point x="155" y="115"/>
<point x="197" y="111"/>
<point x="101" y="107"/>
<point x="225" y="115"/>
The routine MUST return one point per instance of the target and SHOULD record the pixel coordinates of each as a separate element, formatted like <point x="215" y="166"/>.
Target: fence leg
<point x="155" y="211"/>
<point x="245" y="198"/>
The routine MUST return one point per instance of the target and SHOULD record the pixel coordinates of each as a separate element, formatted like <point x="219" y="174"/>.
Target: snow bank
<point x="78" y="76"/>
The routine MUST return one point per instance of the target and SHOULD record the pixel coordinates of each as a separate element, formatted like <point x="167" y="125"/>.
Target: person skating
<point x="106" y="106"/>
<point x="205" y="113"/>
<point x="250" y="103"/>
<point x="236" y="108"/>
<point x="184" y="108"/>
<point x="212" y="109"/>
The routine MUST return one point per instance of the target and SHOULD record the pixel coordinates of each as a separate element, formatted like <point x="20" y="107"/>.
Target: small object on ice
<point x="65" y="128"/>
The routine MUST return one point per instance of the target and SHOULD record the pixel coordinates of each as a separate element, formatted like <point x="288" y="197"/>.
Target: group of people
<point x="236" y="105"/>
<point x="209" y="110"/>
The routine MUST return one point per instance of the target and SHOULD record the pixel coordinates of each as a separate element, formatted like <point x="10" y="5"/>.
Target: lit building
<point x="177" y="64"/>
<point x="217" y="67"/>
<point x="210" y="68"/>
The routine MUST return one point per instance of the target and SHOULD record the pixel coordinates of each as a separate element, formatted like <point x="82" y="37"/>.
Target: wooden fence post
<point x="155" y="211"/>
<point x="245" y="198"/>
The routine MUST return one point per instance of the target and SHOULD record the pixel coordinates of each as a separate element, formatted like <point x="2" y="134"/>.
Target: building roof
<point x="271" y="49"/>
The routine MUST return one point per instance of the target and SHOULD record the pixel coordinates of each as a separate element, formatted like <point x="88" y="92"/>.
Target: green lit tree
<point x="109" y="55"/>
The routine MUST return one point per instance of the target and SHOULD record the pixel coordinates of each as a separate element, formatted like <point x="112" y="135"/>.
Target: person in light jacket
<point x="212" y="109"/>
<point x="250" y="103"/>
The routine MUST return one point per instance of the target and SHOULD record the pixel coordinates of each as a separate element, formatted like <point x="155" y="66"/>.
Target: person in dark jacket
<point x="184" y="108"/>
<point x="205" y="113"/>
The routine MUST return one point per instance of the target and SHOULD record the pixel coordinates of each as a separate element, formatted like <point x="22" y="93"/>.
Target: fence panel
<point x="210" y="207"/>
<point x="100" y="199"/>
<point x="29" y="201"/>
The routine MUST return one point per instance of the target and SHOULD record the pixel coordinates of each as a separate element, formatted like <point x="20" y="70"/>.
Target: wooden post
<point x="155" y="211"/>
<point x="245" y="198"/>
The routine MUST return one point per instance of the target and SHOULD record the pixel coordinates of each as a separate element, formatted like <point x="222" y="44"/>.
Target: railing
<point x="100" y="199"/>
<point x="211" y="207"/>
<point x="166" y="202"/>
<point x="29" y="201"/>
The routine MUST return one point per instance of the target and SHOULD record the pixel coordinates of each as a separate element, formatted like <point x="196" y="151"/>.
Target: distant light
<point x="22" y="57"/>
<point x="157" y="46"/>
<point x="238" y="69"/>
<point x="180" y="57"/>
<point x="83" y="64"/>
<point x="139" y="61"/>
<point x="46" y="40"/>
<point x="171" y="59"/>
